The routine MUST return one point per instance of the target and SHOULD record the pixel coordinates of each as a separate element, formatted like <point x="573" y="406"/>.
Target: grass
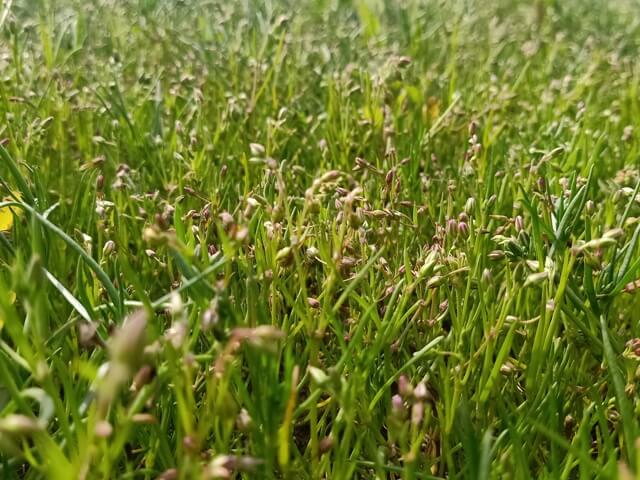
<point x="319" y="239"/>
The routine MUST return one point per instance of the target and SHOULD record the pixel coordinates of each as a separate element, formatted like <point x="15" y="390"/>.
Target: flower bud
<point x="487" y="277"/>
<point x="244" y="421"/>
<point x="127" y="344"/>
<point x="417" y="413"/>
<point x="404" y="387"/>
<point x="103" y="429"/>
<point x="613" y="233"/>
<point x="319" y="377"/>
<point x="496" y="255"/>
<point x="19" y="425"/>
<point x="170" y="474"/>
<point x="519" y="224"/>
<point x="590" y="207"/>
<point x="420" y="392"/>
<point x="463" y="229"/>
<point x="284" y="256"/>
<point x="144" y="419"/>
<point x="597" y="243"/>
<point x="325" y="445"/>
<point x="536" y="278"/>
<point x="176" y="306"/>
<point x="257" y="150"/>
<point x="263" y="337"/>
<point x="108" y="248"/>
<point x="618" y="196"/>
<point x="470" y="206"/>
<point x="144" y="376"/>
<point x="452" y="226"/>
<point x="397" y="405"/>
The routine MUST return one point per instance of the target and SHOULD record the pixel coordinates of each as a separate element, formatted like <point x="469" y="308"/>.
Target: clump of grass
<point x="336" y="239"/>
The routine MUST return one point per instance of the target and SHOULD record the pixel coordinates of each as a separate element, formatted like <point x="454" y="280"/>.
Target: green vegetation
<point x="319" y="239"/>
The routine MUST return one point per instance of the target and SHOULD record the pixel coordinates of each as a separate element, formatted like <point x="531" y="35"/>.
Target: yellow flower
<point x="6" y="215"/>
<point x="433" y="107"/>
<point x="12" y="299"/>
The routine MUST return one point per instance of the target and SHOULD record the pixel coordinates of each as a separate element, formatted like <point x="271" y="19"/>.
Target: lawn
<point x="323" y="239"/>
